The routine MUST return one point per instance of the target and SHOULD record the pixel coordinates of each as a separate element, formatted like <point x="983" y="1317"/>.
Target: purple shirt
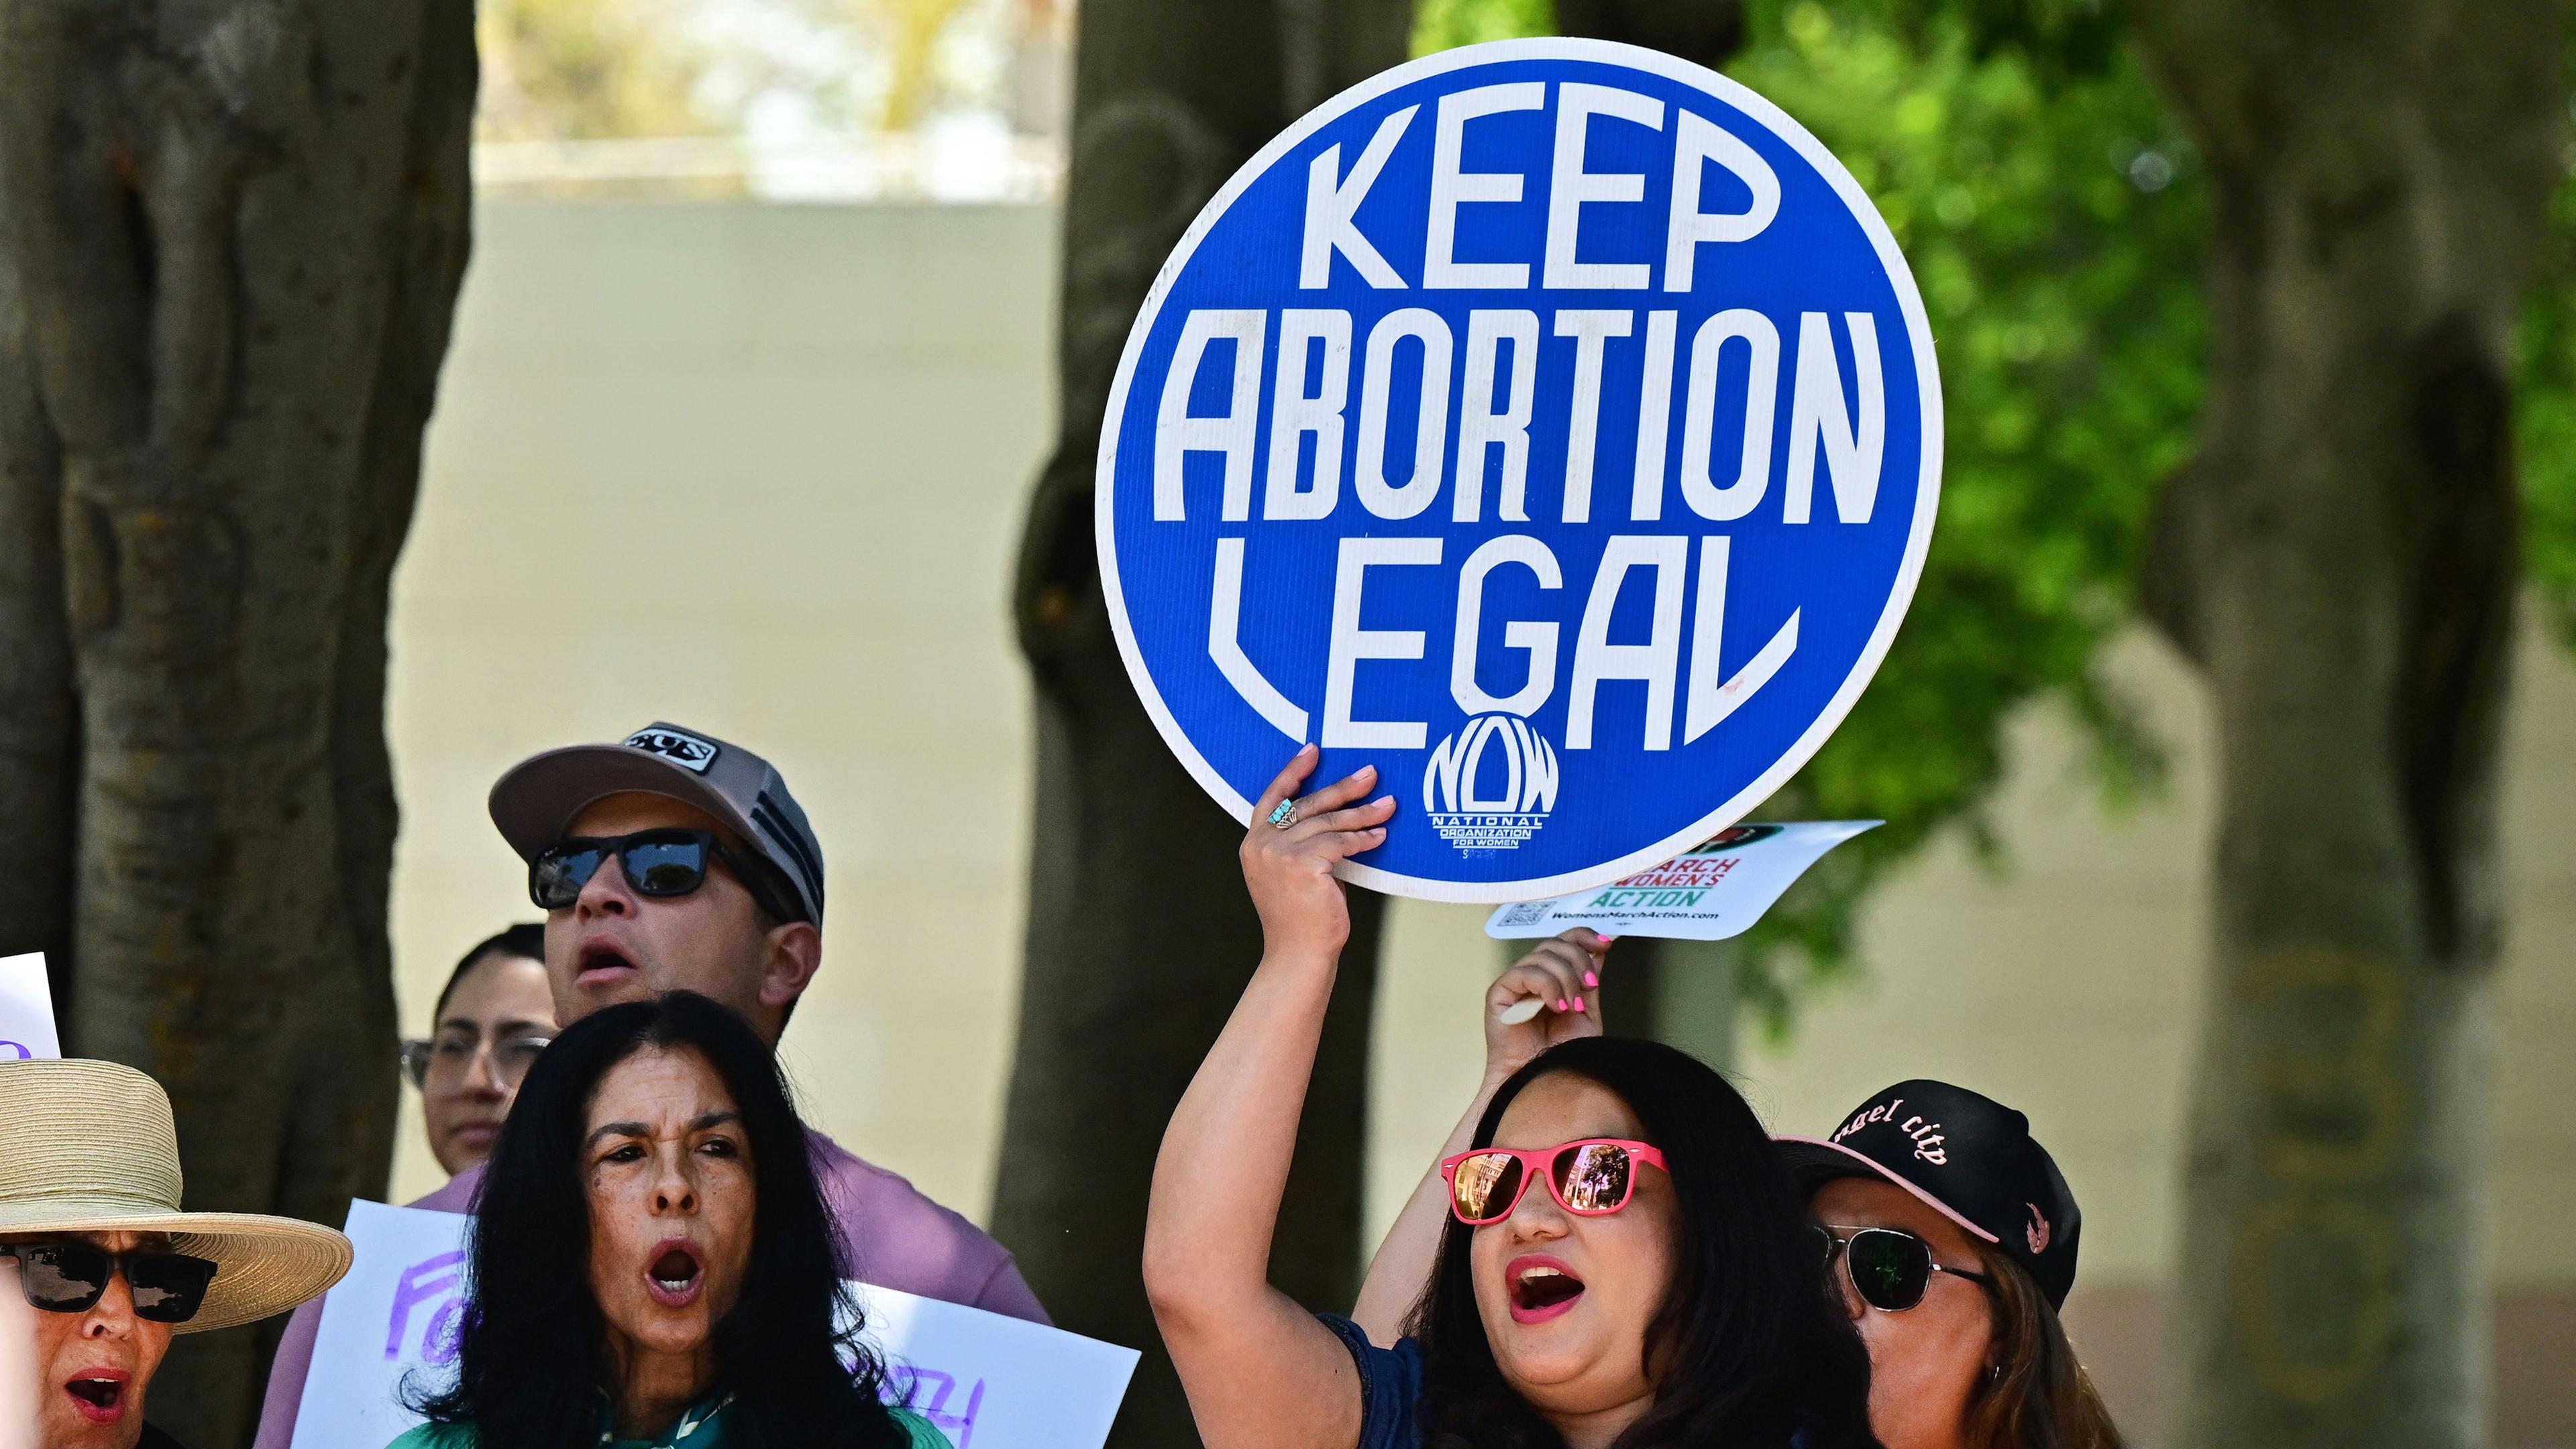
<point x="898" y="1239"/>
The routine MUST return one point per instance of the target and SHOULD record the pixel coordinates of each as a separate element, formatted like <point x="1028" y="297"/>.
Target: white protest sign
<point x="1001" y="1383"/>
<point x="979" y="1378"/>
<point x="395" y="1312"/>
<point x="1709" y="894"/>
<point x="26" y="1011"/>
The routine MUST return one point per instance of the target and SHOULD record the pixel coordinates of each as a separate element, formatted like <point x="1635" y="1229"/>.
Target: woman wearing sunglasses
<point x="1625" y="1260"/>
<point x="1951" y="1236"/>
<point x="1965" y="1347"/>
<point x="92" y="1238"/>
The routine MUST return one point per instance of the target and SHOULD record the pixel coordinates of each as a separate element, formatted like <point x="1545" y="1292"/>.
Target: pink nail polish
<point x="1560" y="1003"/>
<point x="1578" y="1003"/>
<point x="1590" y="979"/>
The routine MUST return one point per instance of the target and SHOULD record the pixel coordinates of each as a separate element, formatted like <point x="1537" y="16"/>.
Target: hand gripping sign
<point x="1552" y="424"/>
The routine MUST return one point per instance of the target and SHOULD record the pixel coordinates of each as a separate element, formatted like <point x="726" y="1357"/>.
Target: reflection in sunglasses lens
<point x="1594" y="1177"/>
<point x="664" y="868"/>
<point x="66" y="1277"/>
<point x="168" y="1287"/>
<point x="1889" y="1268"/>
<point x="559" y="877"/>
<point x="1483" y="1181"/>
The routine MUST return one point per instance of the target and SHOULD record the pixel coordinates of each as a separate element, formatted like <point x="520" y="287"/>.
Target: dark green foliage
<point x="2054" y="220"/>
<point x="1442" y="24"/>
<point x="2545" y="422"/>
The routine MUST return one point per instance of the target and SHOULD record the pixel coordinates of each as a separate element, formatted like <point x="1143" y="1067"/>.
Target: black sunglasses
<point x="71" y="1277"/>
<point x="659" y="863"/>
<point x="1890" y="1268"/>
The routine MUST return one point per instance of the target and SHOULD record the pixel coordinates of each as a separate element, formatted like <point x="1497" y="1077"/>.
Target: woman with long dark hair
<point x="652" y="1262"/>
<point x="1625" y="1261"/>
<point x="1945" y="1229"/>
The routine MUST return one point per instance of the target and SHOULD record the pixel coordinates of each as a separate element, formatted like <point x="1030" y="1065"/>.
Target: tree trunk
<point x="231" y="236"/>
<point x="1140" y="935"/>
<point x="2341" y="559"/>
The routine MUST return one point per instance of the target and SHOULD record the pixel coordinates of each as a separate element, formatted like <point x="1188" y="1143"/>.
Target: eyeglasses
<point x="1889" y="1268"/>
<point x="1592" y="1177"/>
<point x="659" y="863"/>
<point x="453" y="1054"/>
<point x="71" y="1277"/>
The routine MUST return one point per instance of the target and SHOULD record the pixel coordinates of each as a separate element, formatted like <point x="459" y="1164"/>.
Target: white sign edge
<point x="1909" y="570"/>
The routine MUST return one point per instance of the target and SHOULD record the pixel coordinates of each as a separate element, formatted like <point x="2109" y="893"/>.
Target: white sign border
<point x="1909" y="572"/>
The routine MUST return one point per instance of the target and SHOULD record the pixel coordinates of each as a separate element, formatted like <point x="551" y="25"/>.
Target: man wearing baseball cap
<point x="1951" y="1236"/>
<point x="673" y="860"/>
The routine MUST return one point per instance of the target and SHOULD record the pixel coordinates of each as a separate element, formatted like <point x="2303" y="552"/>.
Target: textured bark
<point x="231" y="235"/>
<point x="1140" y="935"/>
<point x="2341" y="558"/>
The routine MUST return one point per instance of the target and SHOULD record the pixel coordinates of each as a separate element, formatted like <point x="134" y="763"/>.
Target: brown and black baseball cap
<point x="538" y="798"/>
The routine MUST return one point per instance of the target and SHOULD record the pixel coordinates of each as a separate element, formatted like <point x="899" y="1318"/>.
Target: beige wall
<point x="758" y="469"/>
<point x="755" y="470"/>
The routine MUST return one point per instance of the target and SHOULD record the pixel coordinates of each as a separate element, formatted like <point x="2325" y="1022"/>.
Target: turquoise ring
<point x="1284" y="816"/>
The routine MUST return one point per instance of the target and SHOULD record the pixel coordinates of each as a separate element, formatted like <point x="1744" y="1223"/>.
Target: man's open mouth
<point x="600" y="961"/>
<point x="675" y="1275"/>
<point x="100" y="1397"/>
<point x="1541" y="1288"/>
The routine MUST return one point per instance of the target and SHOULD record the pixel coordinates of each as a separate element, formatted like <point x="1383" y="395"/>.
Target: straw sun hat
<point x="87" y="1147"/>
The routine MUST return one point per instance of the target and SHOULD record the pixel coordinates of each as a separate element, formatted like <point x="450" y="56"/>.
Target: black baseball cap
<point x="538" y="799"/>
<point x="1970" y="1158"/>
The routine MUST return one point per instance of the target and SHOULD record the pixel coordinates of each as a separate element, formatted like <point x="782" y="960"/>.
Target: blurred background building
<point x="751" y="376"/>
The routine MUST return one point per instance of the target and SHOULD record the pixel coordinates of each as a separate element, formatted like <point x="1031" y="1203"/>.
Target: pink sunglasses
<point x="1592" y="1177"/>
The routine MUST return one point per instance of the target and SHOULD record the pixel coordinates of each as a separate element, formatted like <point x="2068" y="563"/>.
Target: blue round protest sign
<point x="1552" y="424"/>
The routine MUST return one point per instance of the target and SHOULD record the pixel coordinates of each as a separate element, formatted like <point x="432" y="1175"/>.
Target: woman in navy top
<point x="1625" y="1263"/>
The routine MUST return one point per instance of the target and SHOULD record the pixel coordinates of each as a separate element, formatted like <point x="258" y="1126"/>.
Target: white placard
<point x="1709" y="894"/>
<point x="394" y="1312"/>
<point x="982" y="1379"/>
<point x="26" y="1011"/>
<point x="991" y="1382"/>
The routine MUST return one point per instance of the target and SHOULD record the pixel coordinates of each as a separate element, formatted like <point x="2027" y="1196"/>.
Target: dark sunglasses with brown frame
<point x="70" y="1277"/>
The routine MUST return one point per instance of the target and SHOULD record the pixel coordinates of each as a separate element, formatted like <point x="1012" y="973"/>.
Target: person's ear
<point x="790" y="955"/>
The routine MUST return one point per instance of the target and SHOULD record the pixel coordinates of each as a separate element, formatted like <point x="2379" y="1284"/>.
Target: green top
<point x="702" y="1427"/>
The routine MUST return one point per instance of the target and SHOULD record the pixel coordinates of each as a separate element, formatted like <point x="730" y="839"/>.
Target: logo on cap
<point x="687" y="751"/>
<point x="1925" y="1136"/>
<point x="2037" y="1233"/>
